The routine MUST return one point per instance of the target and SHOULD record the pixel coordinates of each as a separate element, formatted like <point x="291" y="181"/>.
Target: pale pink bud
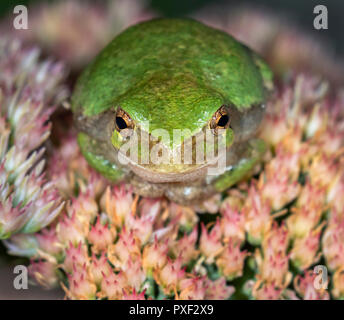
<point x="302" y="221"/>
<point x="84" y="206"/>
<point x="44" y="273"/>
<point x="338" y="284"/>
<point x="210" y="243"/>
<point x="100" y="236"/>
<point x="154" y="255"/>
<point x="75" y="256"/>
<point x="99" y="268"/>
<point x="276" y="239"/>
<point x="185" y="247"/>
<point x="263" y="290"/>
<point x="231" y="261"/>
<point x="218" y="289"/>
<point x="306" y="288"/>
<point x="112" y="285"/>
<point x="117" y="203"/>
<point x="134" y="272"/>
<point x="333" y="245"/>
<point x="274" y="268"/>
<point x="257" y="213"/>
<point x="133" y="295"/>
<point x="232" y="224"/>
<point x="170" y="275"/>
<point x="70" y="229"/>
<point x="142" y="227"/>
<point x="80" y="285"/>
<point x="304" y="251"/>
<point x="192" y="288"/>
<point x="48" y="241"/>
<point x="127" y="245"/>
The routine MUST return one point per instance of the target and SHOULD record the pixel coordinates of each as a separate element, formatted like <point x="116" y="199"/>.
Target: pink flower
<point x="210" y="243"/>
<point x="278" y="190"/>
<point x="71" y="229"/>
<point x="134" y="273"/>
<point x="276" y="239"/>
<point x="302" y="221"/>
<point x="232" y="224"/>
<point x="311" y="196"/>
<point x="257" y="213"/>
<point x="100" y="236"/>
<point x="142" y="227"/>
<point x="84" y="207"/>
<point x="186" y="216"/>
<point x="338" y="284"/>
<point x="99" y="268"/>
<point x="335" y="193"/>
<point x="11" y="219"/>
<point x="127" y="245"/>
<point x="273" y="268"/>
<point x="263" y="290"/>
<point x="150" y="207"/>
<point x="333" y="245"/>
<point x="305" y="250"/>
<point x="185" y="247"/>
<point x="154" y="255"/>
<point x="169" y="276"/>
<point x="133" y="295"/>
<point x="231" y="261"/>
<point x="323" y="170"/>
<point x="44" y="273"/>
<point x="75" y="257"/>
<point x="192" y="288"/>
<point x="306" y="288"/>
<point x="80" y="285"/>
<point x="48" y="242"/>
<point x="218" y="289"/>
<point x="112" y="286"/>
<point x="117" y="203"/>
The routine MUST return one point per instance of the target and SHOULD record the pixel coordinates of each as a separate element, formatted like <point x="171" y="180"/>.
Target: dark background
<point x="300" y="11"/>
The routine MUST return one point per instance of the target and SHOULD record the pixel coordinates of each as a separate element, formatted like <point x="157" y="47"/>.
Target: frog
<point x="172" y="75"/>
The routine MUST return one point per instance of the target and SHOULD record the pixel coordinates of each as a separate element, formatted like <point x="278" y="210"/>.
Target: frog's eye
<point x="220" y="120"/>
<point x="123" y="120"/>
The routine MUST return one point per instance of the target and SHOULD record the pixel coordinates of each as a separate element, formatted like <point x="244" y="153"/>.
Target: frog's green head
<point x="171" y="118"/>
<point x="166" y="75"/>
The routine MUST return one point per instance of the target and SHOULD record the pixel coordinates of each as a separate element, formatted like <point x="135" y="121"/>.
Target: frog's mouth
<point x="160" y="161"/>
<point x="164" y="173"/>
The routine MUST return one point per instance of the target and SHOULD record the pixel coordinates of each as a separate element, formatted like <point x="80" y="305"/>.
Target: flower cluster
<point x="28" y="91"/>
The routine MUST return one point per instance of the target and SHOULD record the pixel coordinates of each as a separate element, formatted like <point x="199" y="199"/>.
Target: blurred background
<point x="74" y="31"/>
<point x="300" y="11"/>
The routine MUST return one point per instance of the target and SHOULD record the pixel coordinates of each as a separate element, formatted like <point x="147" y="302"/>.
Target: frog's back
<point x="169" y="47"/>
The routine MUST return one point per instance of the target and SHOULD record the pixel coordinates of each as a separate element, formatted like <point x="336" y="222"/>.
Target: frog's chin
<point x="160" y="176"/>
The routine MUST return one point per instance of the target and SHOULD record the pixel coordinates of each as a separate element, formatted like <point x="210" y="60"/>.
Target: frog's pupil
<point x="121" y="124"/>
<point x="223" y="121"/>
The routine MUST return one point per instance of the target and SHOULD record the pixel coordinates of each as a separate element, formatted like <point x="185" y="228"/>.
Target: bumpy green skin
<point x="175" y="74"/>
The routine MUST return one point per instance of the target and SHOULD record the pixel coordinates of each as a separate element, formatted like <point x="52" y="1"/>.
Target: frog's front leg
<point x="93" y="151"/>
<point x="251" y="153"/>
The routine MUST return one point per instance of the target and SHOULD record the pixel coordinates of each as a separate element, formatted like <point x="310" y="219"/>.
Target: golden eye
<point x="220" y="119"/>
<point x="123" y="120"/>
